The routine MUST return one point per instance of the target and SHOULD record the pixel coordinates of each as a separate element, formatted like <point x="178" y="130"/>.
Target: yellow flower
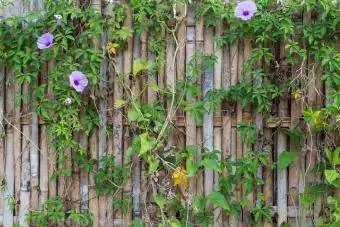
<point x="112" y="48"/>
<point x="297" y="94"/>
<point x="179" y="177"/>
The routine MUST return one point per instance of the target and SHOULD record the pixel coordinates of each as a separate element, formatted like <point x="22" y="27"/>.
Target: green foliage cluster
<point x="76" y="48"/>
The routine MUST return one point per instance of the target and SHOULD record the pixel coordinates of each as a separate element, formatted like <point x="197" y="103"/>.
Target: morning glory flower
<point x="78" y="81"/>
<point x="68" y="101"/>
<point x="45" y="41"/>
<point x="245" y="10"/>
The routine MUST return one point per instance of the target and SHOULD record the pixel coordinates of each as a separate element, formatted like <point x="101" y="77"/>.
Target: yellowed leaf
<point x="112" y="48"/>
<point x="297" y="94"/>
<point x="179" y="177"/>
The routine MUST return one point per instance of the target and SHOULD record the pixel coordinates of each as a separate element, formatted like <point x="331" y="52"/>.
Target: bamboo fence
<point x="27" y="158"/>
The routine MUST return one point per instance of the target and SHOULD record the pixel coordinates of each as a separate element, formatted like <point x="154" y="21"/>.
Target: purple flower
<point x="245" y="10"/>
<point x="45" y="41"/>
<point x="78" y="81"/>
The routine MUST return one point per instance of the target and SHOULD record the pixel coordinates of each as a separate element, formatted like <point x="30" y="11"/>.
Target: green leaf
<point x="146" y="144"/>
<point x="331" y="175"/>
<point x="120" y="103"/>
<point x="191" y="168"/>
<point x="153" y="163"/>
<point x="218" y="199"/>
<point x="173" y="222"/>
<point x="133" y="115"/>
<point x="286" y="158"/>
<point x="159" y="200"/>
<point x="141" y="65"/>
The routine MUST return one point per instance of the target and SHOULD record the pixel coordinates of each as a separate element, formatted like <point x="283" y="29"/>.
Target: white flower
<point x="68" y="101"/>
<point x="58" y="17"/>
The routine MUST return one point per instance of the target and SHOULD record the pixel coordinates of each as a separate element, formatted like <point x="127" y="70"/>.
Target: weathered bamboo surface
<point x="27" y="158"/>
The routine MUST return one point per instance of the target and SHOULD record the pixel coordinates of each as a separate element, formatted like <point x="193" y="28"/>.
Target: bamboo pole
<point x="199" y="48"/>
<point x="268" y="177"/>
<point x="258" y="122"/>
<point x="118" y="124"/>
<point x="2" y="136"/>
<point x="282" y="145"/>
<point x="34" y="131"/>
<point x="144" y="181"/>
<point x="233" y="56"/>
<point x="208" y="83"/>
<point x="128" y="58"/>
<point x="218" y="130"/>
<point x="226" y="114"/>
<point x="52" y="165"/>
<point x="25" y="187"/>
<point x="294" y="167"/>
<point x="190" y="124"/>
<point x="9" y="158"/>
<point x="43" y="171"/>
<point x="17" y="139"/>
<point x="136" y="162"/>
<point x="93" y="199"/>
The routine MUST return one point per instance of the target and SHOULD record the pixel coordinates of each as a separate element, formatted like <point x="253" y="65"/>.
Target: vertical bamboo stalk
<point x="258" y="122"/>
<point x="190" y="124"/>
<point x="226" y="114"/>
<point x="128" y="57"/>
<point x="208" y="83"/>
<point x="118" y="125"/>
<point x="93" y="199"/>
<point x="268" y="177"/>
<point x="239" y="118"/>
<point x="218" y="130"/>
<point x="43" y="171"/>
<point x="34" y="130"/>
<point x="294" y="167"/>
<point x="52" y="165"/>
<point x="25" y="178"/>
<point x="199" y="48"/>
<point x="17" y="140"/>
<point x="84" y="178"/>
<point x="282" y="173"/>
<point x="302" y="180"/>
<point x="9" y="158"/>
<point x="136" y="163"/>
<point x="2" y="137"/>
<point x="235" y="140"/>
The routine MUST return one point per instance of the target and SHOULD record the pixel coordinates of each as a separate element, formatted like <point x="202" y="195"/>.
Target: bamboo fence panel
<point x="27" y="156"/>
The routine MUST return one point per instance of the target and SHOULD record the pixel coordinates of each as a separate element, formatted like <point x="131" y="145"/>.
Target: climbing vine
<point x="64" y="40"/>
